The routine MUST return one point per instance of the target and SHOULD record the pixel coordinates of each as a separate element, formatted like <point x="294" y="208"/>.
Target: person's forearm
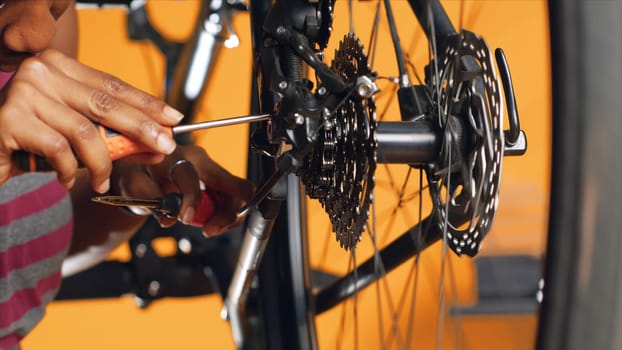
<point x="94" y="223"/>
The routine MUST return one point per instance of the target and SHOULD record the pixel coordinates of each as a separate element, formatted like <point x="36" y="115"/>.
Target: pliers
<point x="168" y="205"/>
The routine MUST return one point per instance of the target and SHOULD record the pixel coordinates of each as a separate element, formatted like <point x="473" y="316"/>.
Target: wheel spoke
<point x="351" y="12"/>
<point x="378" y="271"/>
<point x="355" y="302"/>
<point x="373" y="38"/>
<point x="342" y="327"/>
<point x="327" y="242"/>
<point x="394" y="331"/>
<point x="456" y="315"/>
<point x="411" y="317"/>
<point x="436" y="80"/>
<point x="392" y="255"/>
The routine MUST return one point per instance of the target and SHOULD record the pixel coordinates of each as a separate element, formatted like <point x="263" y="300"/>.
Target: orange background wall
<point x="520" y="27"/>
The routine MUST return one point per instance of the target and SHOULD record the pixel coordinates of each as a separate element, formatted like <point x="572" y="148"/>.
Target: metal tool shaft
<point x="180" y="129"/>
<point x="127" y="201"/>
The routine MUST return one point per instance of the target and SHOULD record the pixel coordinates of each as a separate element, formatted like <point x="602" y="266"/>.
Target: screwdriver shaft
<point x="180" y="129"/>
<point x="121" y="146"/>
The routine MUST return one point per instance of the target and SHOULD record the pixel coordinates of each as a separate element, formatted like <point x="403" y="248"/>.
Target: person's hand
<point x="153" y="181"/>
<point x="49" y="106"/>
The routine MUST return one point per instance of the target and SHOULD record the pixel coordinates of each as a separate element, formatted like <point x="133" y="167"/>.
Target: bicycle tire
<point x="583" y="279"/>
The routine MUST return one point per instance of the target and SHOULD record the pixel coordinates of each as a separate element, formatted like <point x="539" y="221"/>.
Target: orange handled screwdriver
<point x="168" y="205"/>
<point x="121" y="146"/>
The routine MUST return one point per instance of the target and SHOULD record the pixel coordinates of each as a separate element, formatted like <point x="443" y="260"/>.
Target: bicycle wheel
<point x="581" y="306"/>
<point x="298" y="287"/>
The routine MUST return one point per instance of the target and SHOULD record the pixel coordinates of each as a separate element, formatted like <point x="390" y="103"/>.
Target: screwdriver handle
<point x="119" y="146"/>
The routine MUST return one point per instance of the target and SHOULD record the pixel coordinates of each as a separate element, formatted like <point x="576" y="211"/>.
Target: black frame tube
<point x="393" y="255"/>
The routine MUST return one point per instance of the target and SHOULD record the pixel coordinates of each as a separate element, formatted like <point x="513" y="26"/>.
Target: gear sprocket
<point x="339" y="172"/>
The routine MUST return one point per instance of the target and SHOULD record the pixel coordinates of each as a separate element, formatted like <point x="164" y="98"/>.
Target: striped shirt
<point x="35" y="231"/>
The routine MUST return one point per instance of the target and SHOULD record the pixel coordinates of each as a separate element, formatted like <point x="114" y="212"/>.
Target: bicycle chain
<point x="339" y="172"/>
<point x="466" y="109"/>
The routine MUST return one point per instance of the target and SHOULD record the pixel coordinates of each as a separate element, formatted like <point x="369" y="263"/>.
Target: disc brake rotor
<point x="339" y="172"/>
<point x="465" y="182"/>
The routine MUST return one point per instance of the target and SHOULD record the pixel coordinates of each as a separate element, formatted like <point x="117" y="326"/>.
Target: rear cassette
<point x="339" y="172"/>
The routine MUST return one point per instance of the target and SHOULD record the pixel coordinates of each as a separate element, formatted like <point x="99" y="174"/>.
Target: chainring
<point x="339" y="172"/>
<point x="465" y="182"/>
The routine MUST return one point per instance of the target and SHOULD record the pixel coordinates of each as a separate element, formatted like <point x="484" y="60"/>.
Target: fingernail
<point x="103" y="187"/>
<point x="187" y="216"/>
<point x="166" y="143"/>
<point x="173" y="114"/>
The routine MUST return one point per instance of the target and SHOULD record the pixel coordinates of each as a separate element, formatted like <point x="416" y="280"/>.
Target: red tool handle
<point x="119" y="146"/>
<point x="210" y="201"/>
<point x="206" y="209"/>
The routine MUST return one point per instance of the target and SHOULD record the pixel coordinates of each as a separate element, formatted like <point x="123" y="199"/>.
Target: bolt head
<point x="363" y="90"/>
<point x="299" y="119"/>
